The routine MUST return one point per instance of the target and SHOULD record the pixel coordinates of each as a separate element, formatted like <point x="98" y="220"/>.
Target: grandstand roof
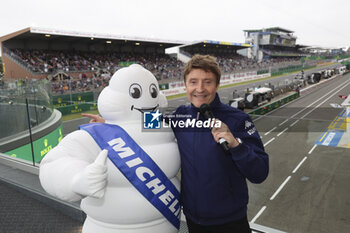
<point x="272" y="29"/>
<point x="321" y="47"/>
<point x="216" y="44"/>
<point x="74" y="36"/>
<point x="299" y="46"/>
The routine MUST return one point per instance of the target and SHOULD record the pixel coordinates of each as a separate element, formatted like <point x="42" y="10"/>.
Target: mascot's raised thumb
<point x="93" y="179"/>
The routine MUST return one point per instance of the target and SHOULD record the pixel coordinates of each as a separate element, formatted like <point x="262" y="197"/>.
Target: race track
<point x="308" y="186"/>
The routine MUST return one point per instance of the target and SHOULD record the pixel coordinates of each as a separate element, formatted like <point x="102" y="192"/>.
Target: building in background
<point x="272" y="43"/>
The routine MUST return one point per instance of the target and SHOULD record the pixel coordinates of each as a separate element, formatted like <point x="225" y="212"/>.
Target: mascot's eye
<point x="153" y="91"/>
<point x="135" y="91"/>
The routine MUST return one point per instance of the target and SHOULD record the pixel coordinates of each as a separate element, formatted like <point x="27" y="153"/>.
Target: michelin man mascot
<point x="125" y="177"/>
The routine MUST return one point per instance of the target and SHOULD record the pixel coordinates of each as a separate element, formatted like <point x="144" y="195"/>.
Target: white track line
<point x="269" y="142"/>
<point x="316" y="101"/>
<point x="283" y="122"/>
<point x="270" y="131"/>
<point x="280" y="188"/>
<point x="307" y="106"/>
<point x="312" y="149"/>
<point x="294" y="123"/>
<point x="297" y="167"/>
<point x="282" y="132"/>
<point x="344" y="85"/>
<point x="258" y="214"/>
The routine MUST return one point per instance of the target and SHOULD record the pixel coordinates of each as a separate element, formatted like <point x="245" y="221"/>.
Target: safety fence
<point x="347" y="64"/>
<point x="77" y="108"/>
<point x="262" y="72"/>
<point x="273" y="105"/>
<point x="72" y="99"/>
<point x="74" y="103"/>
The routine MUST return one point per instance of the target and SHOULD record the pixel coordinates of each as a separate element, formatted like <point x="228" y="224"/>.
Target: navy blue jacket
<point x="213" y="183"/>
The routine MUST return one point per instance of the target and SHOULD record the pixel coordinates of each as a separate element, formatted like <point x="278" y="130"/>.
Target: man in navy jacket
<point x="213" y="182"/>
<point x="214" y="190"/>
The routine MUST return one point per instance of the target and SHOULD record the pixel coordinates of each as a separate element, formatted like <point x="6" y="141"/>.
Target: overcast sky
<point x="314" y="22"/>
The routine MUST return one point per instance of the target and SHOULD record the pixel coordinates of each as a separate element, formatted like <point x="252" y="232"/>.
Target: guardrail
<point x="273" y="105"/>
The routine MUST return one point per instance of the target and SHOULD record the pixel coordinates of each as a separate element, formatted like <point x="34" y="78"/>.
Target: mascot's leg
<point x="157" y="226"/>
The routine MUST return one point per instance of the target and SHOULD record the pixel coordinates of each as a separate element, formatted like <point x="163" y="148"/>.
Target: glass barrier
<point x="24" y="106"/>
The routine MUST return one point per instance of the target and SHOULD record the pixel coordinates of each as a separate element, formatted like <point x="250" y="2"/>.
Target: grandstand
<point x="273" y="42"/>
<point x="82" y="62"/>
<point x="231" y="57"/>
<point x="43" y="53"/>
<point x="225" y="52"/>
<point x="324" y="51"/>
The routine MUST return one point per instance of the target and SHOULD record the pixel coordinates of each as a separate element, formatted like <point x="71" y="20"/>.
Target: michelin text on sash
<point x="146" y="175"/>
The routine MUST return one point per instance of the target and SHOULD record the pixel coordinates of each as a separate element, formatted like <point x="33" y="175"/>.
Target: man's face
<point x="201" y="87"/>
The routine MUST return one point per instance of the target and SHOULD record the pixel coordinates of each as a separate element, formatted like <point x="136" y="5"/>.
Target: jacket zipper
<point x="196" y="171"/>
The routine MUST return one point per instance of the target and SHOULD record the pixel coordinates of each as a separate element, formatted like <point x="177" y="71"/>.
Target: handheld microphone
<point x="208" y="114"/>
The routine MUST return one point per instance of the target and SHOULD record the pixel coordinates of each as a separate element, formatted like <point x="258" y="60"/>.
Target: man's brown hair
<point x="205" y="62"/>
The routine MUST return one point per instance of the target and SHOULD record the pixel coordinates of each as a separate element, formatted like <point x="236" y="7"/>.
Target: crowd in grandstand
<point x="231" y="64"/>
<point x="82" y="84"/>
<point x="95" y="68"/>
<point x="49" y="61"/>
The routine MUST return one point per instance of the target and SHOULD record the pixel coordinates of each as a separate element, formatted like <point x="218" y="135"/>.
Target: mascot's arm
<point x="62" y="169"/>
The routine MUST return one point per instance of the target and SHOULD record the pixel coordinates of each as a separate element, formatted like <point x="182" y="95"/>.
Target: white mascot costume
<point x="78" y="168"/>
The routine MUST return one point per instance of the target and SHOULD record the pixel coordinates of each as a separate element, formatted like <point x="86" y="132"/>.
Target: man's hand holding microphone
<point x="222" y="134"/>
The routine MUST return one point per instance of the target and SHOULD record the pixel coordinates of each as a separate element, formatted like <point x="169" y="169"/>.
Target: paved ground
<point x="22" y="214"/>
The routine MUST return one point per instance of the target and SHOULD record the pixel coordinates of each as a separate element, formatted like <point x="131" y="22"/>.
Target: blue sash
<point x="136" y="165"/>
